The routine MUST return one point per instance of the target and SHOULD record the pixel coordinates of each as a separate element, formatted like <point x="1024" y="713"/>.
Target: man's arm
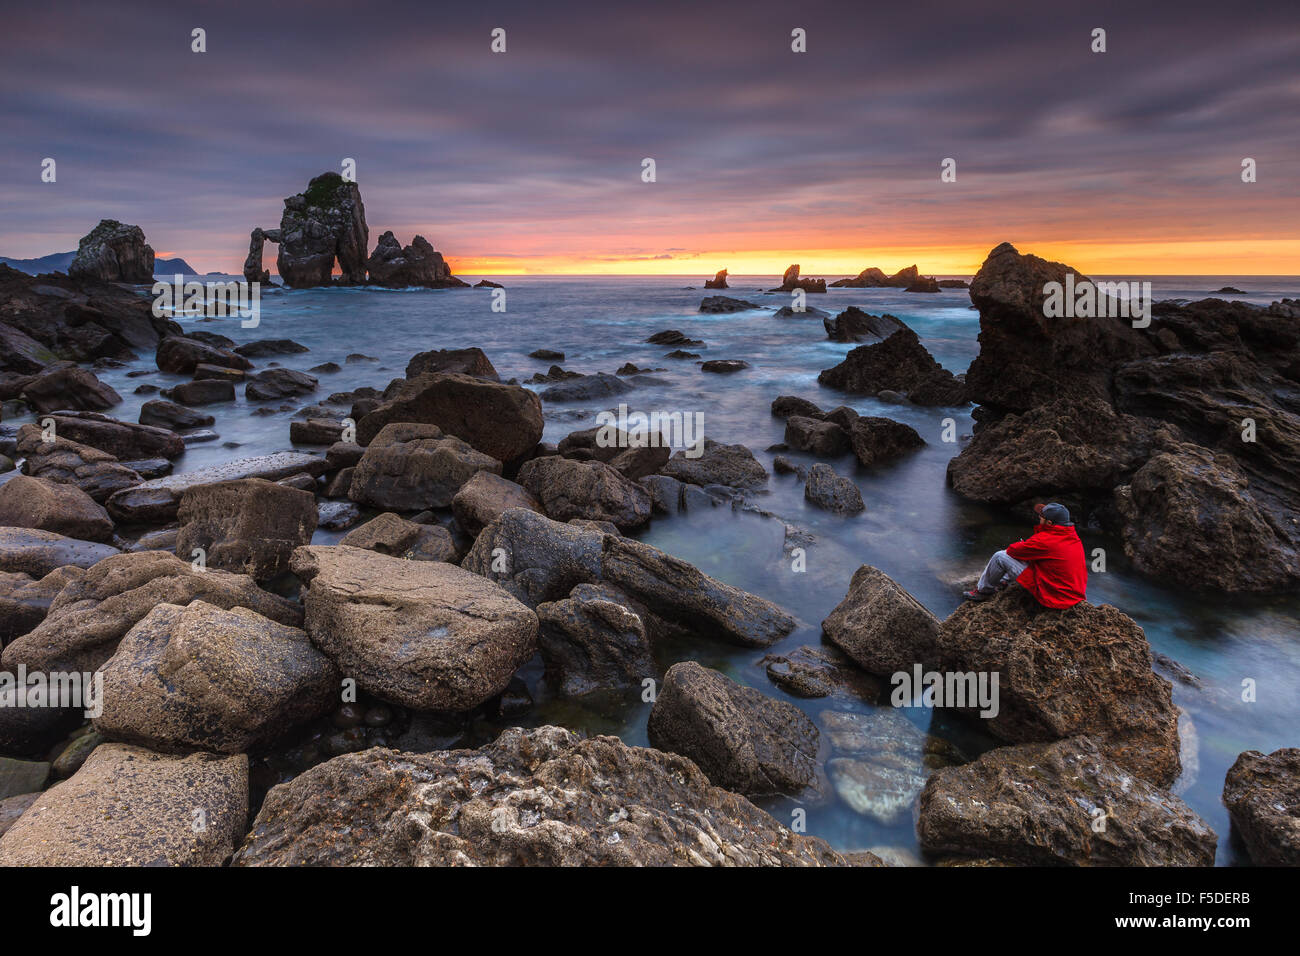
<point x="1028" y="550"/>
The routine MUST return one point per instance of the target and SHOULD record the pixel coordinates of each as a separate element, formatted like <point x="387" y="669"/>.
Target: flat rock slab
<point x="157" y="501"/>
<point x="422" y="634"/>
<point x="538" y="797"/>
<point x="127" y="806"/>
<point x="34" y="552"/>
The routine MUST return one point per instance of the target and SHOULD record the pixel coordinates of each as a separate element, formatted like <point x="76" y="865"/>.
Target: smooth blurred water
<point x="914" y="528"/>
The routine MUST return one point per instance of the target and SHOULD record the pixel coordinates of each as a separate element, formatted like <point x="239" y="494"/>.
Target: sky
<point x="530" y="161"/>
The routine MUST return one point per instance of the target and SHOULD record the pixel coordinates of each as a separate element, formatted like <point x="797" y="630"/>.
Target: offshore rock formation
<point x="324" y="223"/>
<point x="418" y="264"/>
<point x="327" y="223"/>
<point x="113" y="252"/>
<point x="873" y="278"/>
<point x="719" y="281"/>
<point x="1180" y="437"/>
<point x="791" y="281"/>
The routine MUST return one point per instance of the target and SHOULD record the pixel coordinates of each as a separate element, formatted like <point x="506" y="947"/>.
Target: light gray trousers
<point x="1001" y="566"/>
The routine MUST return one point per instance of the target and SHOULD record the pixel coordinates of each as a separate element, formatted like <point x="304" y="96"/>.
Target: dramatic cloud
<point x="532" y="158"/>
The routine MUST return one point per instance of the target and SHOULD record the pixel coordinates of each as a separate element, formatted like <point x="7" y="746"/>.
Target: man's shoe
<point x="977" y="595"/>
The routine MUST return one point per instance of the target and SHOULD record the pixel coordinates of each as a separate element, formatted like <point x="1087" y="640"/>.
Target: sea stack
<point x="113" y="252"/>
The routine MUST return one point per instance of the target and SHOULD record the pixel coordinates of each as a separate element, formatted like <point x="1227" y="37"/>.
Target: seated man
<point x="1049" y="563"/>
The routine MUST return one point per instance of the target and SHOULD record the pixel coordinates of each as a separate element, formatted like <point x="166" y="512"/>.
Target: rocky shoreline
<point x="312" y="700"/>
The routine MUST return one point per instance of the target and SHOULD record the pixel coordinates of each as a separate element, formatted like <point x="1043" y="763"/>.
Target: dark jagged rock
<point x="878" y="440"/>
<point x="419" y="264"/>
<point x="1063" y="803"/>
<point x="264" y="347"/>
<point x="68" y="387"/>
<point x="821" y="438"/>
<point x="832" y="492"/>
<point x="324" y="223"/>
<point x="791" y="281"/>
<point x="181" y="355"/>
<point x="741" y="739"/>
<point x="900" y="363"/>
<point x="1262" y="794"/>
<point x="113" y="252"/>
<point x="855" y="325"/>
<point x="537" y="797"/>
<point x="593" y="640"/>
<point x="672" y="337"/>
<point x="720" y="305"/>
<point x="276" y="383"/>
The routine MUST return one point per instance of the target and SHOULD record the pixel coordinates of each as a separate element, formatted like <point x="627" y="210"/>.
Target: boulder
<point x="741" y="739"/>
<point x="821" y="438"/>
<point x="878" y="440"/>
<point x="723" y="366"/>
<point x="593" y="640"/>
<point x="586" y="388"/>
<point x="899" y="363"/>
<point x="544" y="559"/>
<point x="164" y="414"/>
<point x="1082" y="670"/>
<point x="25" y="600"/>
<point x="93" y="612"/>
<point x="202" y="677"/>
<point x="1262" y="794"/>
<point x="113" y="252"/>
<point x="855" y="325"/>
<point x="157" y="501"/>
<point x="422" y="634"/>
<point x="1061" y="803"/>
<point x="37" y="553"/>
<point x="504" y="421"/>
<point x="410" y="467"/>
<point x="123" y="440"/>
<point x="483" y="499"/>
<point x="722" y="304"/>
<point x="673" y="337"/>
<point x="53" y="506"/>
<point x="473" y="362"/>
<point x="1079" y="446"/>
<point x="206" y="391"/>
<point x="65" y="386"/>
<point x="881" y="626"/>
<point x="719" y="464"/>
<point x="395" y="536"/>
<point x="127" y="806"/>
<point x="181" y="355"/>
<point x="264" y="347"/>
<point x="276" y="383"/>
<point x="537" y="797"/>
<point x="97" y="473"/>
<point x="250" y="525"/>
<point x="832" y="492"/>
<point x="1191" y="519"/>
<point x="316" y="431"/>
<point x="585" y="489"/>
<point x="785" y="406"/>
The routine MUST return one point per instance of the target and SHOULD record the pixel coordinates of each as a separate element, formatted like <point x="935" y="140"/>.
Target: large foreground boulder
<point x="423" y="634"/>
<point x="127" y="806"/>
<point x="741" y="739"/>
<point x="1063" y="803"/>
<point x="93" y="612"/>
<point x="540" y="797"/>
<point x="200" y="677"/>
<point x="249" y="526"/>
<point x="503" y="421"/>
<point x="541" y="560"/>
<point x="1262" y="794"/>
<point x="1082" y="670"/>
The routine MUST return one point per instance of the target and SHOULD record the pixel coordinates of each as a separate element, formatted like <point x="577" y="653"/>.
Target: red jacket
<point x="1057" y="574"/>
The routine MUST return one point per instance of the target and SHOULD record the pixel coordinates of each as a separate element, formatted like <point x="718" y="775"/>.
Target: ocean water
<point x="914" y="528"/>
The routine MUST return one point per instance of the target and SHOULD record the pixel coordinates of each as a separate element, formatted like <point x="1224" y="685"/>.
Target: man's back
<point x="1057" y="574"/>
